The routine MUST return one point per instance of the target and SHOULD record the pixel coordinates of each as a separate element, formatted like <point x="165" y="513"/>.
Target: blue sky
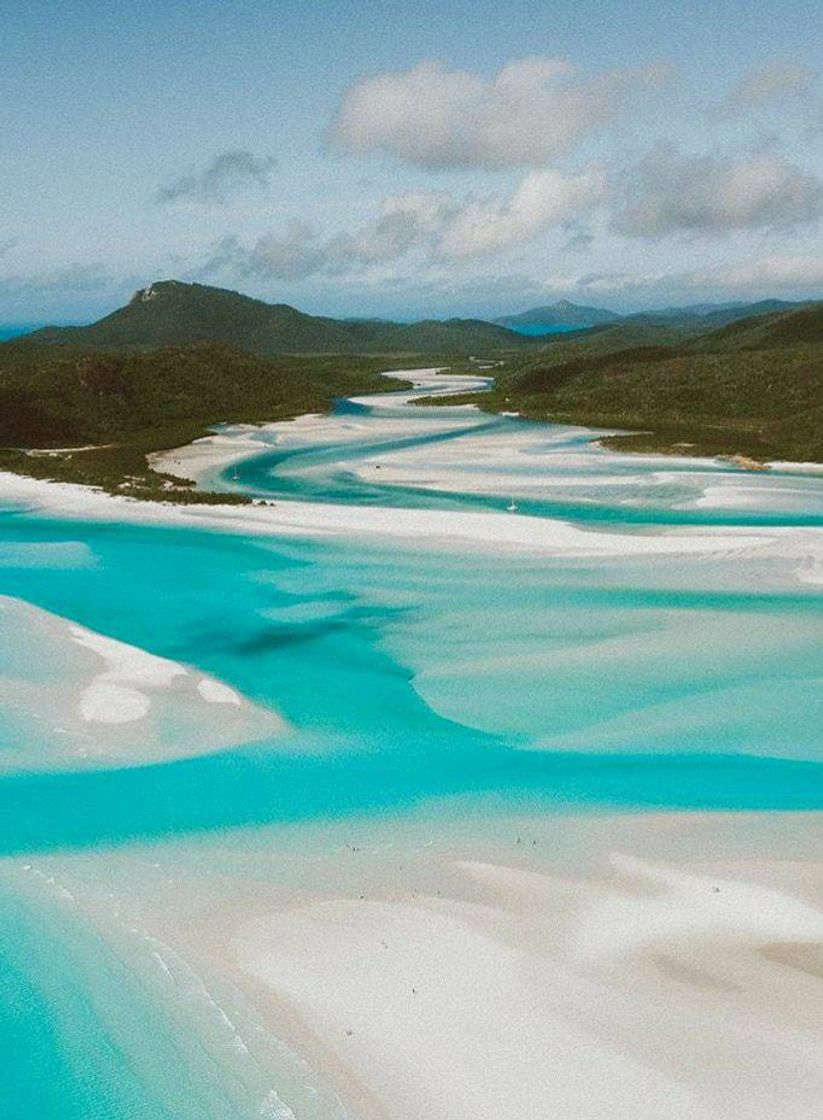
<point x="410" y="158"/>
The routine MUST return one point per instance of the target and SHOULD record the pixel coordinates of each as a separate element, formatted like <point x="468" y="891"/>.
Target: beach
<point x="637" y="966"/>
<point x="411" y="561"/>
<point x="520" y="457"/>
<point x="379" y="800"/>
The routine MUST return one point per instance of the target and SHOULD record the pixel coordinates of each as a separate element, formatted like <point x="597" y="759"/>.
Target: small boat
<point x="512" y="506"/>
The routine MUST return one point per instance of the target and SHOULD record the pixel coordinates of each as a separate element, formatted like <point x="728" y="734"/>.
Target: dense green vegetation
<point x="136" y="402"/>
<point x="696" y="318"/>
<point x="53" y="396"/>
<point x="179" y="358"/>
<point x="171" y="313"/>
<point x="754" y="387"/>
<point x="88" y="403"/>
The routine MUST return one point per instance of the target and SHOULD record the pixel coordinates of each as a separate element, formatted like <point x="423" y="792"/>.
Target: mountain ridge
<point x="566" y="316"/>
<point x="562" y="313"/>
<point x="753" y="387"/>
<point x="176" y="313"/>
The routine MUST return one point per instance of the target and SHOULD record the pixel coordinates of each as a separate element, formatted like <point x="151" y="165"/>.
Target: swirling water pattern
<point x="405" y="672"/>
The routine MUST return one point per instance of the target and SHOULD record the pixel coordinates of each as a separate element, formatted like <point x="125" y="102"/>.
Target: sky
<point x="410" y="158"/>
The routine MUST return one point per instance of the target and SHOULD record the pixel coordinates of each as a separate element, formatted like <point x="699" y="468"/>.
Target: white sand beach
<point x="87" y="700"/>
<point x="601" y="968"/>
<point x="430" y="528"/>
<point x="454" y="965"/>
<point x="438" y="743"/>
<point x="483" y="465"/>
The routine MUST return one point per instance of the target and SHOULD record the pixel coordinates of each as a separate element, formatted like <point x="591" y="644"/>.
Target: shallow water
<point x="412" y="677"/>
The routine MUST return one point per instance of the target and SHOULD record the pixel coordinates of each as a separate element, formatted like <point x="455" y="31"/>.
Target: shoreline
<point x="439" y="528"/>
<point x="609" y="965"/>
<point x="196" y="461"/>
<point x="433" y="962"/>
<point x="101" y="703"/>
<point x="460" y="529"/>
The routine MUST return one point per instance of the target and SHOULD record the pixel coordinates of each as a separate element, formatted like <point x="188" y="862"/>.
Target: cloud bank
<point x="431" y="224"/>
<point x="543" y="199"/>
<point x="530" y="112"/>
<point x="668" y="193"/>
<point x="767" y="85"/>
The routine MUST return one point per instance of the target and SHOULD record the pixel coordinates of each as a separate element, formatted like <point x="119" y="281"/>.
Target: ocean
<point x="370" y="681"/>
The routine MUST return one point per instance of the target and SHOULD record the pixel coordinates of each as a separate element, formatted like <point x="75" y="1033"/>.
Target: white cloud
<point x="792" y="276"/>
<point x="430" y="224"/>
<point x="60" y="293"/>
<point x="780" y="273"/>
<point x="543" y="199"/>
<point x="71" y="278"/>
<point x="530" y="112"/>
<point x="767" y="85"/>
<point x="668" y="193"/>
<point x="228" y="173"/>
<point x="292" y="256"/>
<point x="405" y="222"/>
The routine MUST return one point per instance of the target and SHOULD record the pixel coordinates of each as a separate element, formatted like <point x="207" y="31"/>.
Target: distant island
<point x="566" y="316"/>
<point x="87" y="403"/>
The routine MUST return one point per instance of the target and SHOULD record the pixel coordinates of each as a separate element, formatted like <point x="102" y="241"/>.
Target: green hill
<point x="171" y="313"/>
<point x="754" y="387"/>
<point x="60" y="395"/>
<point x="113" y="407"/>
<point x="696" y="317"/>
<point x="702" y="317"/>
<point x="801" y="325"/>
<point x="628" y="334"/>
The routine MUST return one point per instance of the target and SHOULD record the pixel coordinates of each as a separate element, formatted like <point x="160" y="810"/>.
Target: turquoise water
<point x="410" y="676"/>
<point x="314" y="473"/>
<point x="9" y="330"/>
<point x="537" y="329"/>
<point x="63" y="1059"/>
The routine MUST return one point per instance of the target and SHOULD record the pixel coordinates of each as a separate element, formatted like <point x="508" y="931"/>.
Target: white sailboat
<point x="512" y="506"/>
